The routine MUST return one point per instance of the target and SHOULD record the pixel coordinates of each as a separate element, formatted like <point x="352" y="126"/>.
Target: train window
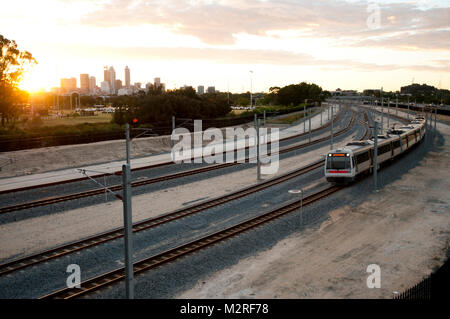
<point x="338" y="162"/>
<point x="384" y="149"/>
<point x="363" y="157"/>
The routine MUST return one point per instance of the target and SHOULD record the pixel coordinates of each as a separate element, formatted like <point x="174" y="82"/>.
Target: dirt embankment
<point x="58" y="157"/>
<point x="404" y="228"/>
<point x="32" y="161"/>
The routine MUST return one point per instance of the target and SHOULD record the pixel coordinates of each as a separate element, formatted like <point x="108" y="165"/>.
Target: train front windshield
<point x="338" y="161"/>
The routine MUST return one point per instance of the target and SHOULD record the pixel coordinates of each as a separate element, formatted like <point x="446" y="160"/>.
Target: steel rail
<point x="154" y="165"/>
<point x="160" y="259"/>
<point x="115" y="188"/>
<point x="69" y="248"/>
<point x="59" y="251"/>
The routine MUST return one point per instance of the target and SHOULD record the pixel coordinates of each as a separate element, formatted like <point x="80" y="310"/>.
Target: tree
<point x="242" y="101"/>
<point x="13" y="63"/>
<point x="296" y="94"/>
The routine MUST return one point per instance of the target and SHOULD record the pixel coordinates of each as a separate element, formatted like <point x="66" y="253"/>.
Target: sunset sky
<point x="335" y="44"/>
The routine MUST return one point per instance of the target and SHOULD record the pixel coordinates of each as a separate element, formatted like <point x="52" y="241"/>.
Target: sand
<point x="403" y="228"/>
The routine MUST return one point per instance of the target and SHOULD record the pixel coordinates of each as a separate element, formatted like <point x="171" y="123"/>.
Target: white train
<point x="345" y="164"/>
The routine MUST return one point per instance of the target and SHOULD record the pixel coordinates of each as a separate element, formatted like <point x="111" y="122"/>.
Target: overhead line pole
<point x="331" y="140"/>
<point x="128" y="239"/>
<point x="173" y="130"/>
<point x="304" y="118"/>
<point x="127" y="136"/>
<point x="375" y="155"/>
<point x="258" y="160"/>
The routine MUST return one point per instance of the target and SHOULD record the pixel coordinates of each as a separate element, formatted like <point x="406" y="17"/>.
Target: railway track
<point x="173" y="254"/>
<point x="50" y="254"/>
<point x="336" y="118"/>
<point x="66" y="249"/>
<point x="118" y="187"/>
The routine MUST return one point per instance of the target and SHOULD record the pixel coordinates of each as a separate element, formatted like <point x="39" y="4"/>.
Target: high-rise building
<point x="105" y="87"/>
<point x="200" y="89"/>
<point x="157" y="82"/>
<point x="211" y="89"/>
<point x="112" y="80"/>
<point x="118" y="85"/>
<point x="68" y="84"/>
<point x="92" y="85"/>
<point x="127" y="77"/>
<point x="105" y="73"/>
<point x="84" y="82"/>
<point x="148" y="86"/>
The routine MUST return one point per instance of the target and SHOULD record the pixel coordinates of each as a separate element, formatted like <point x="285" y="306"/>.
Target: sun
<point x="36" y="79"/>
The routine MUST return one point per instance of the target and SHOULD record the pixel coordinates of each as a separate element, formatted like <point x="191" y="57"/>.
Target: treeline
<point x="157" y="108"/>
<point x="415" y="93"/>
<point x="295" y="94"/>
<point x="426" y="93"/>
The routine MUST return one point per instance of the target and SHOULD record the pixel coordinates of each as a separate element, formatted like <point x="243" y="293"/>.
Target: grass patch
<point x="100" y="118"/>
<point x="288" y="119"/>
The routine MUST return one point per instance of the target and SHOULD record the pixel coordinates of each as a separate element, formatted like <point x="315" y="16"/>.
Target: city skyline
<point x="335" y="44"/>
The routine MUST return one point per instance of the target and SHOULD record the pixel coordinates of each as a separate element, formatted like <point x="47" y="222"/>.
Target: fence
<point x="434" y="286"/>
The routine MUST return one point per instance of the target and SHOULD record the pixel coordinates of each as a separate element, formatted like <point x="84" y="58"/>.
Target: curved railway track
<point x="145" y="264"/>
<point x="328" y="124"/>
<point x="148" y="223"/>
<point x="115" y="188"/>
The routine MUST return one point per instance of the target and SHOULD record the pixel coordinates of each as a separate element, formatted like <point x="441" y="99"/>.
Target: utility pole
<point x="127" y="136"/>
<point x="173" y="129"/>
<point x="388" y="117"/>
<point x="258" y="160"/>
<point x="128" y="223"/>
<point x="408" y="107"/>
<point x="382" y="115"/>
<point x="321" y="116"/>
<point x="264" y="118"/>
<point x="309" y="128"/>
<point x="375" y="155"/>
<point x="331" y="140"/>
<point x="304" y="118"/>
<point x="251" y="88"/>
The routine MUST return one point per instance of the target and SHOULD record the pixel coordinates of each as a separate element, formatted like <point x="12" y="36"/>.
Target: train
<point x="345" y="164"/>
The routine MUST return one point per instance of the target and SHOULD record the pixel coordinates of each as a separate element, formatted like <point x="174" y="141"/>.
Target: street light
<point x="251" y="88"/>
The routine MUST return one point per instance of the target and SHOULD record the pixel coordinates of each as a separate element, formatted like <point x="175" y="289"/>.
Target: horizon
<point x="351" y="45"/>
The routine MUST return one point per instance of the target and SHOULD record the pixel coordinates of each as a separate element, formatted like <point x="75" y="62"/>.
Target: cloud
<point x="436" y="40"/>
<point x="245" y="57"/>
<point x="216" y="22"/>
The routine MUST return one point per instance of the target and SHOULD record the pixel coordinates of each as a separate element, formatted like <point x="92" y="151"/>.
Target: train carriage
<point x="345" y="164"/>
